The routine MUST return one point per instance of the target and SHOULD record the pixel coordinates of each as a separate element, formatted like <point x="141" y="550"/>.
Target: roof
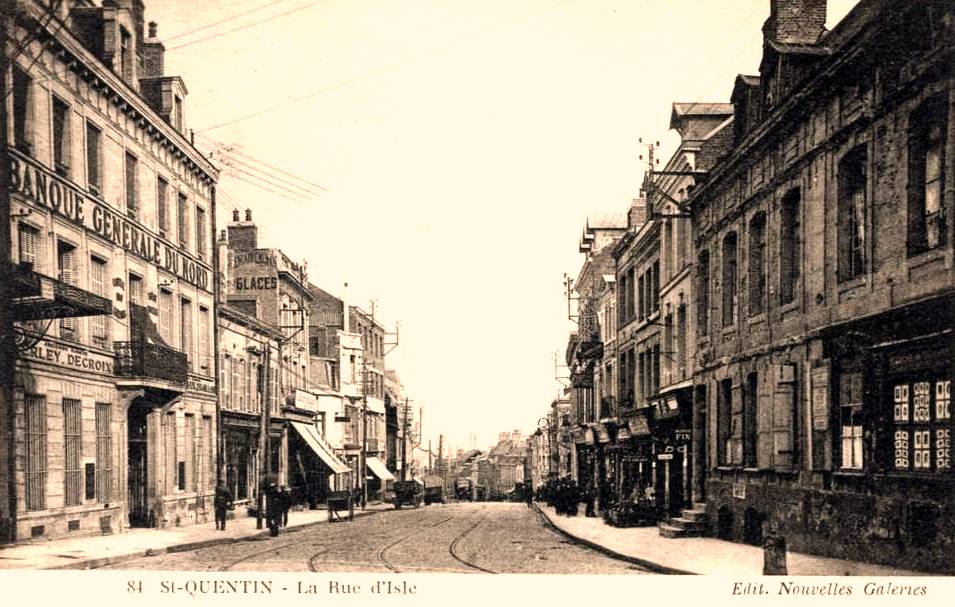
<point x="702" y="109"/>
<point x="748" y="79"/>
<point x="785" y="48"/>
<point x="607" y="221"/>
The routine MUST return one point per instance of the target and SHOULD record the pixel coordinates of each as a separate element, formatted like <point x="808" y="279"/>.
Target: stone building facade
<point x="824" y="289"/>
<point x="112" y="232"/>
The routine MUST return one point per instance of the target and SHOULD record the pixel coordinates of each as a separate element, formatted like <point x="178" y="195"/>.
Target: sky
<point x="455" y="149"/>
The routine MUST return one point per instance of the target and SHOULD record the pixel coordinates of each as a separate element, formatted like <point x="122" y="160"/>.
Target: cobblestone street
<point x="451" y="538"/>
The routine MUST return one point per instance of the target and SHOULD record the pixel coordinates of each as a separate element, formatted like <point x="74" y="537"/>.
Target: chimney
<point x="795" y="21"/>
<point x="346" y="312"/>
<point x="243" y="235"/>
<point x="153" y="54"/>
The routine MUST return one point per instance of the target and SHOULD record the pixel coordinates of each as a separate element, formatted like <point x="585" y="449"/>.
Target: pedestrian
<point x="222" y="502"/>
<point x="286" y="503"/>
<point x="528" y="495"/>
<point x="273" y="508"/>
<point x="589" y="500"/>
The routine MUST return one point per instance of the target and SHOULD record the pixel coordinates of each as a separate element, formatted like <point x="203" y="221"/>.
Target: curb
<point x="96" y="563"/>
<point x="654" y="567"/>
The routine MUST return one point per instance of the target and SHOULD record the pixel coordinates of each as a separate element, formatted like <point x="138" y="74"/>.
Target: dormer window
<point x="125" y="54"/>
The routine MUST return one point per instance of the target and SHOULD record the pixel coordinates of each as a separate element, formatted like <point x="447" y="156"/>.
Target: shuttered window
<point x="185" y="328"/>
<point x="98" y="323"/>
<point x="67" y="272"/>
<point x="28" y="241"/>
<point x="72" y="447"/>
<point x="205" y="360"/>
<point x="61" y="137"/>
<point x="104" y="452"/>
<point x="162" y="204"/>
<point x="200" y="232"/>
<point x="35" y="463"/>
<point x="209" y="452"/>
<point x="225" y="381"/>
<point x="182" y="221"/>
<point x="132" y="185"/>
<point x="165" y="315"/>
<point x="94" y="162"/>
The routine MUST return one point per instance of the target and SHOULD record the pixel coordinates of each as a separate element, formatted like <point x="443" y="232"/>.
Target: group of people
<point x="278" y="502"/>
<point x="565" y="495"/>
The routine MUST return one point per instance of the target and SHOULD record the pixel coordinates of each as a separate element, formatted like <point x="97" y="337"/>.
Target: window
<point x="238" y="383"/>
<point x="850" y="415"/>
<point x="631" y="297"/>
<point x="125" y="56"/>
<point x="225" y="380"/>
<point x="132" y="186"/>
<point x="204" y="355"/>
<point x="61" y="137"/>
<point x="189" y="483"/>
<point x="729" y="279"/>
<point x="852" y="212"/>
<point x="208" y="451"/>
<point x="94" y="159"/>
<point x="703" y="293"/>
<point x="757" y="264"/>
<point x="22" y="111"/>
<point x="165" y="316"/>
<point x="135" y="289"/>
<point x="162" y="205"/>
<point x="927" y="225"/>
<point x="177" y="112"/>
<point x="27" y="243"/>
<point x="642" y="296"/>
<point x="724" y="412"/>
<point x="655" y="360"/>
<point x="72" y="446"/>
<point x="35" y="461"/>
<point x="789" y="237"/>
<point x="750" y="405"/>
<point x="98" y="324"/>
<point x="185" y="331"/>
<point x="104" y="452"/>
<point x="655" y="286"/>
<point x="67" y="272"/>
<point x="169" y="445"/>
<point x="200" y="232"/>
<point x="681" y="348"/>
<point x="182" y="218"/>
<point x="922" y="416"/>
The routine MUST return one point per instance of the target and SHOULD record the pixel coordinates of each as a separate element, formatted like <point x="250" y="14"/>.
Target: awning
<point x="39" y="297"/>
<point x="623" y="433"/>
<point x="601" y="432"/>
<point x="321" y="448"/>
<point x="375" y="465"/>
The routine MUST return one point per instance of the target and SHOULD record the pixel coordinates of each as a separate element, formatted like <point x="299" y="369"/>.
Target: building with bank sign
<point x="114" y="404"/>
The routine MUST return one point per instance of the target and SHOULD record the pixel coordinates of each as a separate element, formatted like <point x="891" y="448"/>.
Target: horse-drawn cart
<point x="341" y="504"/>
<point x="408" y="493"/>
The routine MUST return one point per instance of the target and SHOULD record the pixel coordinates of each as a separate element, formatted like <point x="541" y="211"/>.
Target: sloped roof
<point x="702" y="109"/>
<point x="607" y="221"/>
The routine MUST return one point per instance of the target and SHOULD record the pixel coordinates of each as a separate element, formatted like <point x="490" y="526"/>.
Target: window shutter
<point x="764" y="424"/>
<point x="735" y="446"/>
<point x="28" y="244"/>
<point x="783" y="401"/>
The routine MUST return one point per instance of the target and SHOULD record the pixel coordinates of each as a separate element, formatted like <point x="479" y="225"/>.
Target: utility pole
<point x="405" y="428"/>
<point x="265" y="443"/>
<point x="8" y="352"/>
<point x="440" y="452"/>
<point x="430" y="461"/>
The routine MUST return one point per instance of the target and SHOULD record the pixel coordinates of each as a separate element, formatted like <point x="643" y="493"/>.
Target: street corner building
<point x="112" y="422"/>
<point x="824" y="290"/>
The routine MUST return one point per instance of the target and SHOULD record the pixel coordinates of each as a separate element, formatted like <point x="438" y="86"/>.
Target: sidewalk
<point x="90" y="552"/>
<point x="697" y="555"/>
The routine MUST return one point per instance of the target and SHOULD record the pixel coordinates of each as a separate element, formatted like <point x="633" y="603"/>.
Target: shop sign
<point x="48" y="190"/>
<point x="71" y="357"/>
<point x="305" y="400"/>
<point x="819" y="382"/>
<point x="198" y="384"/>
<point x="665" y="456"/>
<point x="682" y="435"/>
<point x="256" y="283"/>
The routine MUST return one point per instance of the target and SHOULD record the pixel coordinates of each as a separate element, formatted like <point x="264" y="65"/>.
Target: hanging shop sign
<point x="46" y="189"/>
<point x="54" y="353"/>
<point x="682" y="435"/>
<point x="819" y="389"/>
<point x="197" y="384"/>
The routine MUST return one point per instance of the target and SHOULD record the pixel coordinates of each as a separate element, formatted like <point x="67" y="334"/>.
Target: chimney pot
<point x="248" y="214"/>
<point x="153" y="28"/>
<point x="235" y="214"/>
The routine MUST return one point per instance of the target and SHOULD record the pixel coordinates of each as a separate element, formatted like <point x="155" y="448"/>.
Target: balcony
<point x="144" y="360"/>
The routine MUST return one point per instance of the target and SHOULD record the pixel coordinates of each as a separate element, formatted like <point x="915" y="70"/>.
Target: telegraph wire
<point x="232" y="149"/>
<point x="274" y="183"/>
<point x="229" y="160"/>
<point x="221" y="21"/>
<point x="250" y="179"/>
<point x="242" y="27"/>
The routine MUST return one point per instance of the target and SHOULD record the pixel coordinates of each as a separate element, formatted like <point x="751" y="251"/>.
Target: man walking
<point x="222" y="502"/>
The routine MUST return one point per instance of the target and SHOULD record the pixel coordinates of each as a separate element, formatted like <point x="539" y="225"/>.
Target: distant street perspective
<point x="451" y="538"/>
<point x="525" y="286"/>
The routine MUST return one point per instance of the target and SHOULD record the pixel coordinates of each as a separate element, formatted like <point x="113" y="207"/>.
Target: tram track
<point x="381" y="552"/>
<point x="452" y="547"/>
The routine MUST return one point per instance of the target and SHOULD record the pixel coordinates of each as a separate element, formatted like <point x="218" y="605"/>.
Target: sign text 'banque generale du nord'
<point x="50" y="191"/>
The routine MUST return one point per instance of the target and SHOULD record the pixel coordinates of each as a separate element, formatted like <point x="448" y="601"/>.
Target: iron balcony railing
<point x="150" y="361"/>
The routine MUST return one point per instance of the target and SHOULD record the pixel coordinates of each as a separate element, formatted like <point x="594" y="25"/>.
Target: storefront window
<point x="922" y="425"/>
<point x="850" y="413"/>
